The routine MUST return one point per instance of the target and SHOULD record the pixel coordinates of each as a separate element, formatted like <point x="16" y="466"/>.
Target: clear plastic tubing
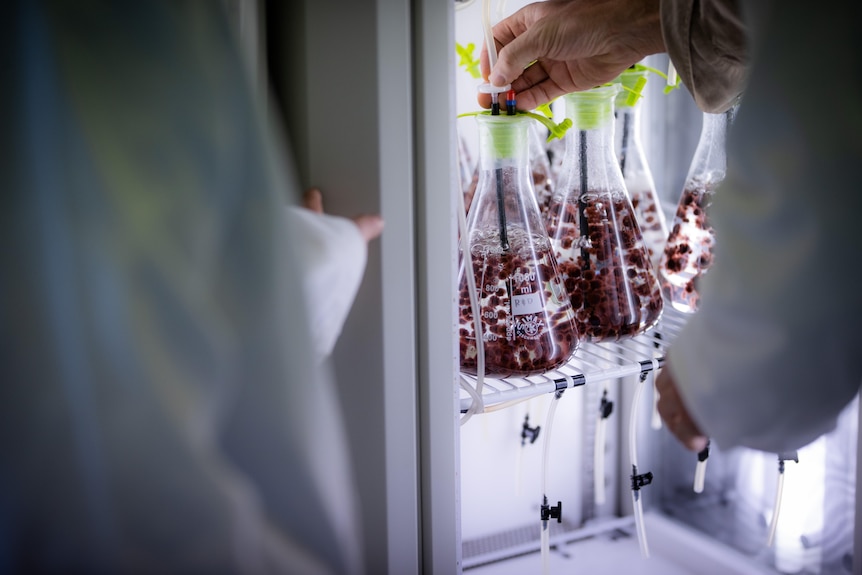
<point x="490" y="45"/>
<point x="491" y="48"/>
<point x="637" y="500"/>
<point x="476" y="406"/>
<point x="655" y="422"/>
<point x="599" y="456"/>
<point x="671" y="74"/>
<point x="546" y="548"/>
<point x="700" y="475"/>
<point x="546" y="535"/>
<point x="599" y="466"/>
<point x="777" y="509"/>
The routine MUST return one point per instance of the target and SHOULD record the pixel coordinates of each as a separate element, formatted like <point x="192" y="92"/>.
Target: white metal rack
<point x="591" y="363"/>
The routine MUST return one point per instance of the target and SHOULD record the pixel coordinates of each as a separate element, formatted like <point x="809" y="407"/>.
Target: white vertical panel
<point x="398" y="253"/>
<point x="435" y="216"/>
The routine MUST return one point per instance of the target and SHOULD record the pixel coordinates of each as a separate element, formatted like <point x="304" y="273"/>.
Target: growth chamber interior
<point x="541" y="476"/>
<point x="571" y="470"/>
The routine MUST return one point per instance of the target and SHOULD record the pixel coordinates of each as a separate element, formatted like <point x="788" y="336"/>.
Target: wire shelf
<point x="591" y="363"/>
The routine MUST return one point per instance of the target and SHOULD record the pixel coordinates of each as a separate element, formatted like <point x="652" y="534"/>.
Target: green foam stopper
<point x="508" y="134"/>
<point x="591" y="109"/>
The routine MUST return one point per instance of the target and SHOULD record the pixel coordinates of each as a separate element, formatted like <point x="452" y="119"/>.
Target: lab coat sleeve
<point x="160" y="408"/>
<point x="773" y="354"/>
<point x="332" y="256"/>
<point x="706" y="42"/>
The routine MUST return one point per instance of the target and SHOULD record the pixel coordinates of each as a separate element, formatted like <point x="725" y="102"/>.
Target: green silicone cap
<point x="508" y="134"/>
<point x="591" y="108"/>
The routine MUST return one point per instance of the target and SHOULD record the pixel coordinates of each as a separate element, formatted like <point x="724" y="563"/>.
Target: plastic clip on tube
<point x="529" y="433"/>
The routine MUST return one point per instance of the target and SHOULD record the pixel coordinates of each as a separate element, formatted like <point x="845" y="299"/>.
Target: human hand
<point x="370" y="225"/>
<point x="675" y="414"/>
<point x="576" y="45"/>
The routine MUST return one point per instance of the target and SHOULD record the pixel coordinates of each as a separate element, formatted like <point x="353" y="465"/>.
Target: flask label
<point x="525" y="304"/>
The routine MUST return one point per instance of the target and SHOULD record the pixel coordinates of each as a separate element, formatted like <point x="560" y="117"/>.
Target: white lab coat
<point x="332" y="261"/>
<point x="161" y="410"/>
<point x="771" y="357"/>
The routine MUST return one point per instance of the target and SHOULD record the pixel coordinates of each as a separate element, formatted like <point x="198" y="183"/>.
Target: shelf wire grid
<point x="591" y="363"/>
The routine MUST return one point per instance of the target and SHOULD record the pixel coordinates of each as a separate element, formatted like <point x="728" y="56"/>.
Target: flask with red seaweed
<point x="688" y="252"/>
<point x="599" y="247"/>
<point x="526" y="319"/>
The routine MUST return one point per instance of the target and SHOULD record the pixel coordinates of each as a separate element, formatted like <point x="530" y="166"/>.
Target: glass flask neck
<point x="591" y="153"/>
<point x="710" y="161"/>
<point x="590" y="161"/>
<point x="597" y="140"/>
<point x="627" y="144"/>
<point x="715" y="127"/>
<point x="505" y="198"/>
<point x="592" y="116"/>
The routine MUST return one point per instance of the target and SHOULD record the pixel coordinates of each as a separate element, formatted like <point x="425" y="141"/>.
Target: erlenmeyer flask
<point x="526" y="318"/>
<point x="540" y="165"/>
<point x="688" y="252"/>
<point x="596" y="237"/>
<point x="633" y="164"/>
